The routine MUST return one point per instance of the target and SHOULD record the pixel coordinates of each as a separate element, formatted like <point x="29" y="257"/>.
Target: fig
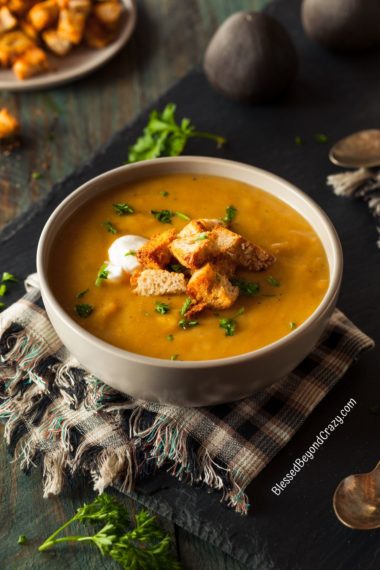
<point x="342" y="25"/>
<point x="251" y="58"/>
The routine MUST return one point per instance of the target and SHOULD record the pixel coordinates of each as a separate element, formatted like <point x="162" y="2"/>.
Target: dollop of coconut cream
<point x="122" y="256"/>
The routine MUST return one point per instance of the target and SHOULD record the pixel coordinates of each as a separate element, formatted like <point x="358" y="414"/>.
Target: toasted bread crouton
<point x="108" y="13"/>
<point x="9" y="125"/>
<point x="211" y="288"/>
<point x="32" y="62"/>
<point x="252" y="257"/>
<point x="226" y="241"/>
<point x="155" y="253"/>
<point x="149" y="282"/>
<point x="44" y="14"/>
<point x="12" y="45"/>
<point x="28" y="30"/>
<point x="193" y="251"/>
<point x="83" y="6"/>
<point x="198" y="226"/>
<point x="71" y="25"/>
<point x="7" y="20"/>
<point x="96" y="35"/>
<point x="19" y="6"/>
<point x="225" y="265"/>
<point x="58" y="45"/>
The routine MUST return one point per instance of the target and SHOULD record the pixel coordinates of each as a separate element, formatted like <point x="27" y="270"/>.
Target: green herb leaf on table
<point x="8" y="277"/>
<point x="273" y="281"/>
<point x="248" y="288"/>
<point x="110" y="227"/>
<point x="163" y="136"/>
<point x="321" y="138"/>
<point x="3" y="289"/>
<point x="162" y="308"/>
<point x="123" y="209"/>
<point x="22" y="539"/>
<point x="82" y="293"/>
<point x="229" y="325"/>
<point x="136" y="542"/>
<point x="36" y="175"/>
<point x="102" y="275"/>
<point x="84" y="310"/>
<point x="230" y="215"/>
<point x="163" y="216"/>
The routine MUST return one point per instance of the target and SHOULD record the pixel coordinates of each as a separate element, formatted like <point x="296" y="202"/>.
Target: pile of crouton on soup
<point x="209" y="255"/>
<point x="29" y="30"/>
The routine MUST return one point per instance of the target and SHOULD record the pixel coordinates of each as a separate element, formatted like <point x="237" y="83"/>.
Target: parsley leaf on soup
<point x="163" y="136"/>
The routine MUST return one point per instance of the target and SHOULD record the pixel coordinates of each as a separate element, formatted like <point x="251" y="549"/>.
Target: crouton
<point x="198" y="226"/>
<point x="96" y="35"/>
<point x="7" y="20"/>
<point x="211" y="288"/>
<point x="9" y="126"/>
<point x="149" y="282"/>
<point x="44" y="14"/>
<point x="155" y="253"/>
<point x="226" y="241"/>
<point x="32" y="62"/>
<point x="193" y="251"/>
<point x="71" y="24"/>
<point x="225" y="265"/>
<point x="12" y="45"/>
<point x="28" y="30"/>
<point x="108" y="13"/>
<point x="252" y="257"/>
<point x="19" y="6"/>
<point x="83" y="6"/>
<point x="58" y="45"/>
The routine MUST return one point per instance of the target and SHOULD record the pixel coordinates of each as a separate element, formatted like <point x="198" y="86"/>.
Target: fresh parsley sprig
<point x="162" y="308"/>
<point x="134" y="542"/>
<point x="123" y="209"/>
<point x="163" y="136"/>
<point x="83" y="310"/>
<point x="248" y="288"/>
<point x="102" y="275"/>
<point x="229" y="325"/>
<point x="230" y="215"/>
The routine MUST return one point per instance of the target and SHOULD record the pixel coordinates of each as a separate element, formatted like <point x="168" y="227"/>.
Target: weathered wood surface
<point x="62" y="128"/>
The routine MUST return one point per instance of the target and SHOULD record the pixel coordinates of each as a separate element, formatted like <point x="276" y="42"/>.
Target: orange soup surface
<point x="286" y="294"/>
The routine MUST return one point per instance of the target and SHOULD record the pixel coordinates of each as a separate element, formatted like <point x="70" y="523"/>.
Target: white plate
<point x="81" y="61"/>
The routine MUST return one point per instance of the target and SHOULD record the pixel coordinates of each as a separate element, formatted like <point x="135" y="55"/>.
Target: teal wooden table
<point x="62" y="128"/>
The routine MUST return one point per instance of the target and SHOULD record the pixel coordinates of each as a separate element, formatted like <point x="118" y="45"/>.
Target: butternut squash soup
<point x="230" y="268"/>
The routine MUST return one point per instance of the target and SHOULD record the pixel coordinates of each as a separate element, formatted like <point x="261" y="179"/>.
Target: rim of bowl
<point x="336" y="268"/>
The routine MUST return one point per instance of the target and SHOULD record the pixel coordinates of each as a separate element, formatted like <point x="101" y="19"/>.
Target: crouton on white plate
<point x="7" y="20"/>
<point x="108" y="13"/>
<point x="32" y="62"/>
<point x="211" y="289"/>
<point x="71" y="25"/>
<point x="153" y="282"/>
<point x="12" y="45"/>
<point x="44" y="14"/>
<point x="9" y="125"/>
<point x="56" y="43"/>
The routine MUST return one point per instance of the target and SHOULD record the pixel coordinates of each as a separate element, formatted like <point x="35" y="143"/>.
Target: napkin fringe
<point x="37" y="430"/>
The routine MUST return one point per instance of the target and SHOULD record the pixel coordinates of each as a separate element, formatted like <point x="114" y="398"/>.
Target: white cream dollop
<point x="118" y="260"/>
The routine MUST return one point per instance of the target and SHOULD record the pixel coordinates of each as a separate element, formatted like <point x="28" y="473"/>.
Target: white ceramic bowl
<point x="192" y="383"/>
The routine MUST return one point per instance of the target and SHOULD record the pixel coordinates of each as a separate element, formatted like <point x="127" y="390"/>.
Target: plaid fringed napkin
<point x="58" y="414"/>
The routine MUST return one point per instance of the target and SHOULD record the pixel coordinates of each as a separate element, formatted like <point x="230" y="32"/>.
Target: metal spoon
<point x="356" y="500"/>
<point x="361" y="149"/>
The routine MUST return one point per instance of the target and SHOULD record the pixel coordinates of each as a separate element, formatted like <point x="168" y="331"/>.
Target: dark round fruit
<point x="345" y="25"/>
<point x="251" y="58"/>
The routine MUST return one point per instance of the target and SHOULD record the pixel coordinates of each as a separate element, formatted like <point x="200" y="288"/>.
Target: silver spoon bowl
<point x="356" y="500"/>
<point x="361" y="149"/>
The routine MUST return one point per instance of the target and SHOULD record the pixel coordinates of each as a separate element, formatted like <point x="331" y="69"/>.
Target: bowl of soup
<point x="260" y="325"/>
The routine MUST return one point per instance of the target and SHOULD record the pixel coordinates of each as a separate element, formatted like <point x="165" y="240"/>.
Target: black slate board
<point x="335" y="95"/>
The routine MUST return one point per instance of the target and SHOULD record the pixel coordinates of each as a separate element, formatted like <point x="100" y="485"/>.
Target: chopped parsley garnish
<point x="102" y="275"/>
<point x="110" y="227"/>
<point x="174" y="357"/>
<point x="231" y="212"/>
<point x="170" y="337"/>
<point x="130" y="252"/>
<point x="8" y="277"/>
<point x="248" y="288"/>
<point x="273" y="281"/>
<point x="163" y="136"/>
<point x="2" y="307"/>
<point x="178" y="268"/>
<point x="292" y="325"/>
<point x="36" y="175"/>
<point x="123" y="209"/>
<point x="163" y="216"/>
<point x="81" y="293"/>
<point x="3" y="289"/>
<point x="320" y="138"/>
<point x="186" y="306"/>
<point x="186" y="324"/>
<point x="22" y="539"/>
<point x="164" y="193"/>
<point x="183" y="216"/>
<point x="83" y="310"/>
<point x="202" y="236"/>
<point x="162" y="308"/>
<point x="229" y="325"/>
